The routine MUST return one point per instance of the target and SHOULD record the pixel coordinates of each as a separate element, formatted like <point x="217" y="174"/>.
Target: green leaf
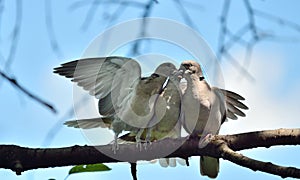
<point x="89" y="168"/>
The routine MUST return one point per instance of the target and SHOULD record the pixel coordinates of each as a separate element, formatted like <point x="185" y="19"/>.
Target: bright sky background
<point x="273" y="97"/>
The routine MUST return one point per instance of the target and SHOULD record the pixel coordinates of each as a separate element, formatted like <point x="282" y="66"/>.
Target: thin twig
<point x="251" y="17"/>
<point x="15" y="35"/>
<point x="52" y="37"/>
<point x="15" y="83"/>
<point x="90" y="14"/>
<point x="185" y="14"/>
<point x="135" y="50"/>
<point x="223" y="28"/>
<point x="235" y="63"/>
<point x="276" y="19"/>
<point x="82" y="3"/>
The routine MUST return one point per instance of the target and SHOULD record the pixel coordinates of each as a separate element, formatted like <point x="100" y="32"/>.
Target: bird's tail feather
<point x="209" y="166"/>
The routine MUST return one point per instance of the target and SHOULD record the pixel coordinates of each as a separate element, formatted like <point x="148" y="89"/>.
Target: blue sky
<point x="273" y="96"/>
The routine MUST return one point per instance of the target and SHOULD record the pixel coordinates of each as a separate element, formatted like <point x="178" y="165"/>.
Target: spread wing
<point x="222" y="103"/>
<point x="234" y="104"/>
<point x="104" y="78"/>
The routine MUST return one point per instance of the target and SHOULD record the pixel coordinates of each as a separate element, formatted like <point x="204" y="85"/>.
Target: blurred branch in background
<point x="15" y="83"/>
<point x="94" y="5"/>
<point x="50" y="29"/>
<point x="257" y="34"/>
<point x="15" y="35"/>
<point x="90" y="14"/>
<point x="184" y="13"/>
<point x="136" y="47"/>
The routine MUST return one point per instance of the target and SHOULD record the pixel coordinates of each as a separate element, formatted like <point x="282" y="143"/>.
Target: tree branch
<point x="255" y="165"/>
<point x="20" y="159"/>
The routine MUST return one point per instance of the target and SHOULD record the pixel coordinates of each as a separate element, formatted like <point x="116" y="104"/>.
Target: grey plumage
<point x="125" y="98"/>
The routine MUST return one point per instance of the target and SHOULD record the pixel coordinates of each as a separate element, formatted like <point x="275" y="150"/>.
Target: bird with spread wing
<point x="126" y="100"/>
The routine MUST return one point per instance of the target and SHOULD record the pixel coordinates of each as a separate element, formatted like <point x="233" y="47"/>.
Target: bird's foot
<point x="147" y="144"/>
<point x="147" y="140"/>
<point x="115" y="145"/>
<point x="139" y="145"/>
<point x="205" y="140"/>
<point x="138" y="139"/>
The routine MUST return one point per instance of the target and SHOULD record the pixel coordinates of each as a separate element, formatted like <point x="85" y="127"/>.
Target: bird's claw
<point x="147" y="143"/>
<point x="115" y="145"/>
<point x="139" y="145"/>
<point x="147" y="140"/>
<point x="205" y="140"/>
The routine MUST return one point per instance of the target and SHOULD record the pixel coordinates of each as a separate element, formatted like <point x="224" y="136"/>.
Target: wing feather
<point x="90" y="123"/>
<point x="233" y="104"/>
<point x="97" y="74"/>
<point x="103" y="78"/>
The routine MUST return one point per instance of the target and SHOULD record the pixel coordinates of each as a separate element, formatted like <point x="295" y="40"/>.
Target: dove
<point x="205" y="108"/>
<point x="165" y="122"/>
<point x="169" y="125"/>
<point x="126" y="100"/>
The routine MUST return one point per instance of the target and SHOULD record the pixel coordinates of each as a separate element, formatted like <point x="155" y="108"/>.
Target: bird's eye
<point x="187" y="65"/>
<point x="154" y="75"/>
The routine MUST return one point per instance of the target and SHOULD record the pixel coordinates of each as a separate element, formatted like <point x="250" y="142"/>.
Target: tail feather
<point x="209" y="166"/>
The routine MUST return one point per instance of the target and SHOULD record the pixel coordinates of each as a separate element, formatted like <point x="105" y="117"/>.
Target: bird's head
<point x="166" y="69"/>
<point x="190" y="68"/>
<point x="156" y="80"/>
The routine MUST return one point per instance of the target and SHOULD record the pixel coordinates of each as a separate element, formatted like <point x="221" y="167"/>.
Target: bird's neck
<point x="138" y="103"/>
<point x="199" y="84"/>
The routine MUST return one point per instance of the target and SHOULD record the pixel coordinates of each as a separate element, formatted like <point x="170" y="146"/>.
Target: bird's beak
<point x="184" y="70"/>
<point x="178" y="73"/>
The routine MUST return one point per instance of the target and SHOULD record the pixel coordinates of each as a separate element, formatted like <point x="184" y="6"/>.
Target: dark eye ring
<point x="154" y="75"/>
<point x="187" y="65"/>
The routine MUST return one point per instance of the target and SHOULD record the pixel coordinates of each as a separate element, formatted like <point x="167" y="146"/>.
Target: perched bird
<point x="168" y="124"/>
<point x="165" y="122"/>
<point x="126" y="100"/>
<point x="205" y="108"/>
